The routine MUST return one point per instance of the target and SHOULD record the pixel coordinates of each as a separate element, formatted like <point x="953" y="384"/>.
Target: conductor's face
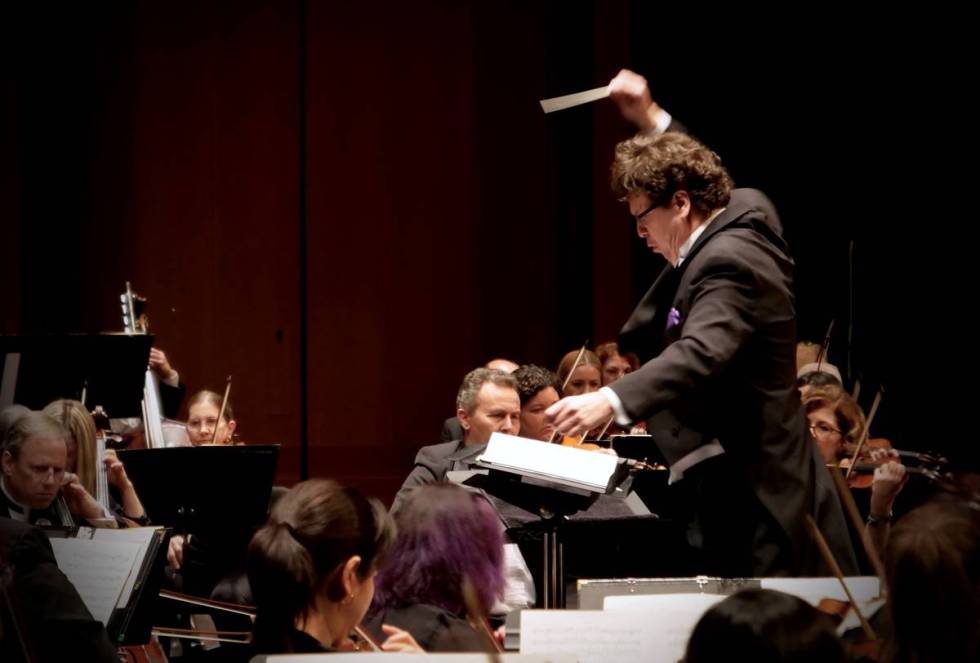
<point x="664" y="228"/>
<point x="497" y="409"/>
<point x="35" y="476"/>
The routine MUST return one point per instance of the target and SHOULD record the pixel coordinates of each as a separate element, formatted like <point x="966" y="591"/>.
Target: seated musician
<point x="764" y="625"/>
<point x="487" y="402"/>
<point x="202" y="420"/>
<point x="538" y="390"/>
<point x="52" y="618"/>
<point x="587" y="376"/>
<point x="615" y="365"/>
<point x="312" y="569"/>
<point x="172" y="390"/>
<point x="83" y="461"/>
<point x="817" y="374"/>
<point x="451" y="428"/>
<point x="198" y="561"/>
<point x="445" y="535"/>
<point x="932" y="567"/>
<point x="837" y="425"/>
<point x="36" y="486"/>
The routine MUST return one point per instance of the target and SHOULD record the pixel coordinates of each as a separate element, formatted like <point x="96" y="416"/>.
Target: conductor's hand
<point x="575" y="415"/>
<point x="632" y="95"/>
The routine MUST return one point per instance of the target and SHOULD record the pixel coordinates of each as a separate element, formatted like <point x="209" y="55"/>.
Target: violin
<point x="926" y="464"/>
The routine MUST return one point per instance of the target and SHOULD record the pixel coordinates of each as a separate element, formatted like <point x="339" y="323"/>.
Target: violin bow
<point x="221" y="412"/>
<point x="864" y="434"/>
<point x="828" y="557"/>
<point x="568" y="378"/>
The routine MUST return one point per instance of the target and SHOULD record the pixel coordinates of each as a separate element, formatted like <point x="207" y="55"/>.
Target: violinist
<point x="312" y="569"/>
<point x="615" y="365"/>
<point x="932" y="567"/>
<point x="586" y="376"/>
<point x="764" y="625"/>
<point x="83" y="461"/>
<point x="837" y="424"/>
<point x="451" y="428"/>
<point x="487" y="402"/>
<point x="203" y="426"/>
<point x="538" y="390"/>
<point x="445" y="534"/>
<point x="835" y="420"/>
<point x="35" y="475"/>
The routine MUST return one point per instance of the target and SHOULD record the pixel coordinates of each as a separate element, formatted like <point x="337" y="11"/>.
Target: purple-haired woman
<point x="445" y="534"/>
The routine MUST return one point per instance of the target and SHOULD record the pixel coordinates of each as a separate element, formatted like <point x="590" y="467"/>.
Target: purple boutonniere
<point x="673" y="318"/>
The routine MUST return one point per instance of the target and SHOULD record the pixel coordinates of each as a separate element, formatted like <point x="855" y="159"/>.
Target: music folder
<point x="117" y="573"/>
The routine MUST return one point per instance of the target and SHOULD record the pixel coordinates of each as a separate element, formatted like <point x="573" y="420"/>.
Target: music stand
<point x="552" y="483"/>
<point x="222" y="490"/>
<point x="35" y="370"/>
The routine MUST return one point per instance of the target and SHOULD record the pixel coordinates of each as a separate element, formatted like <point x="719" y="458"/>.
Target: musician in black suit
<point x="487" y="402"/>
<point x="34" y="460"/>
<point x="49" y="613"/>
<point x="717" y="335"/>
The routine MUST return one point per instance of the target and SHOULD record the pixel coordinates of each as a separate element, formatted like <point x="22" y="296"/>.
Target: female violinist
<point x="203" y="424"/>
<point x="312" y="570"/>
<point x="837" y="424"/>
<point x="582" y="377"/>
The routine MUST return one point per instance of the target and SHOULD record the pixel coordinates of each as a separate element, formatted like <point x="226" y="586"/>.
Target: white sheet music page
<point x="98" y="570"/>
<point x="138" y="535"/>
<point x="593" y="636"/>
<point x="551" y="460"/>
<point x="672" y="617"/>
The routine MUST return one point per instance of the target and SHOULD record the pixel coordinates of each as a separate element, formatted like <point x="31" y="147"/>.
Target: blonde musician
<point x="587" y="376"/>
<point x="83" y="461"/>
<point x="203" y="425"/>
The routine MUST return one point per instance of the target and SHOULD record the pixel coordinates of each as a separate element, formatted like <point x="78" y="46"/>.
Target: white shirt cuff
<point x="173" y="380"/>
<point x="617" y="405"/>
<point x="660" y="122"/>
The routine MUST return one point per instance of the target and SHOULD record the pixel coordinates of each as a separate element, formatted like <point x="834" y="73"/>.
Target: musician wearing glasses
<point x="35" y="461"/>
<point x="717" y="335"/>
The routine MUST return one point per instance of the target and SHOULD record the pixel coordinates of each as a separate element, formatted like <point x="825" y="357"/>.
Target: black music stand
<point x="535" y="500"/>
<point x="35" y="370"/>
<point x="218" y="489"/>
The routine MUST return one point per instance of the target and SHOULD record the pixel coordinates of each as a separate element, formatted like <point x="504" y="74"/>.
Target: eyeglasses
<point x="639" y="217"/>
<point x="823" y="429"/>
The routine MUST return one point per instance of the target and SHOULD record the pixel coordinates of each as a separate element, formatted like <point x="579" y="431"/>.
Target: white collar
<point x="689" y="243"/>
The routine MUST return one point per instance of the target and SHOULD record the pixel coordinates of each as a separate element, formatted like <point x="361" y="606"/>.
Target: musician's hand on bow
<point x="175" y="552"/>
<point x="631" y="93"/>
<point x="575" y="415"/>
<point x="78" y="500"/>
<point x="399" y="641"/>
<point x="160" y="365"/>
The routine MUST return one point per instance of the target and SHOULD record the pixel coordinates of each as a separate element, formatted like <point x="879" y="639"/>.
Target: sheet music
<point x="98" y="570"/>
<point x="865" y="589"/>
<point x="593" y="636"/>
<point x="672" y="617"/>
<point x="370" y="657"/>
<point x="811" y="590"/>
<point x="551" y="460"/>
<point x="142" y="536"/>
